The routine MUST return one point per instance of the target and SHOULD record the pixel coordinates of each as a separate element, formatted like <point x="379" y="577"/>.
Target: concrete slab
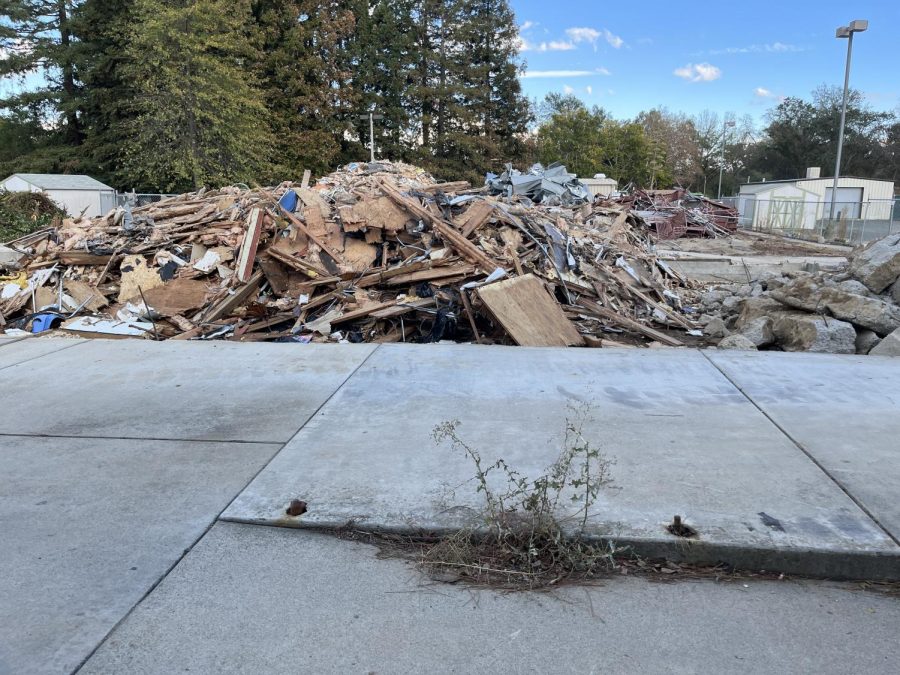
<point x="685" y="441"/>
<point x="90" y="525"/>
<point x="175" y="390"/>
<point x="842" y="409"/>
<point x="28" y="349"/>
<point x="264" y="600"/>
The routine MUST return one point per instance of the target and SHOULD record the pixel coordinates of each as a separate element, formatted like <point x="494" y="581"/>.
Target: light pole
<point x="725" y="125"/>
<point x="857" y="26"/>
<point x="371" y="116"/>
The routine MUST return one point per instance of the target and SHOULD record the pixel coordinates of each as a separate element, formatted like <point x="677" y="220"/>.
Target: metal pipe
<point x="372" y="136"/>
<point x="837" y="164"/>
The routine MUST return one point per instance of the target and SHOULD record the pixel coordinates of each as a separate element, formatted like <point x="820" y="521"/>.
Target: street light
<point x="371" y="116"/>
<point x="857" y="26"/>
<point x="725" y="125"/>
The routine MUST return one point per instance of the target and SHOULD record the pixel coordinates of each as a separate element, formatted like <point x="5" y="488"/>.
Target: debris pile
<point x="678" y="213"/>
<point x="371" y="253"/>
<point x="551" y="186"/>
<point x="853" y="311"/>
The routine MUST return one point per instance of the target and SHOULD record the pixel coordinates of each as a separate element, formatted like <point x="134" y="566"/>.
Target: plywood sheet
<point x="528" y="312"/>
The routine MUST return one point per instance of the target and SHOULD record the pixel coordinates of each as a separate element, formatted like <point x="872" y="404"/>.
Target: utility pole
<point x="725" y="125"/>
<point x="857" y="26"/>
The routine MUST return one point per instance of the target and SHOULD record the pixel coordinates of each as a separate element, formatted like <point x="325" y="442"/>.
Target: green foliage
<point x="802" y="134"/>
<point x="24" y="212"/>
<point x="199" y="118"/>
<point x="305" y="72"/>
<point x="105" y="100"/>
<point x="37" y="36"/>
<point x="589" y="141"/>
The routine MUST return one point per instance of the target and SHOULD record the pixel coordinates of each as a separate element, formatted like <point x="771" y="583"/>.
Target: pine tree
<point x="200" y="119"/>
<point x="36" y="36"/>
<point x="106" y="92"/>
<point x="383" y="68"/>
<point x="306" y="73"/>
<point x="494" y="113"/>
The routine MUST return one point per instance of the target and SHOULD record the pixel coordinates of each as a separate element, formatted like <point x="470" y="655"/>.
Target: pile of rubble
<point x="678" y="213"/>
<point x="855" y="311"/>
<point x="373" y="252"/>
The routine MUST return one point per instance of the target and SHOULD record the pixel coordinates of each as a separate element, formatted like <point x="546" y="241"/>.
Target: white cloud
<point x="552" y="46"/>
<point x="527" y="24"/>
<point x="583" y="34"/>
<point x="762" y="92"/>
<point x="773" y="47"/>
<point x="592" y="35"/>
<point x="613" y="40"/>
<point x="568" y="90"/>
<point x="589" y="89"/>
<point x="556" y="73"/>
<point x="602" y="71"/>
<point x="698" y="72"/>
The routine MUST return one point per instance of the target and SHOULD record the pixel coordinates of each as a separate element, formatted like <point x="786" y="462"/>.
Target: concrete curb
<point x="819" y="563"/>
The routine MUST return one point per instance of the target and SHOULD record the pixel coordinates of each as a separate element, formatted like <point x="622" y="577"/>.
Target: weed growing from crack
<point x="522" y="540"/>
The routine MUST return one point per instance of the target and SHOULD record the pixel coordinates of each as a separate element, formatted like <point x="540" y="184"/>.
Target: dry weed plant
<point x="522" y="540"/>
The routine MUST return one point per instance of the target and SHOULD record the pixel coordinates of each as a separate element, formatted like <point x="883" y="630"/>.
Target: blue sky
<point x="730" y="57"/>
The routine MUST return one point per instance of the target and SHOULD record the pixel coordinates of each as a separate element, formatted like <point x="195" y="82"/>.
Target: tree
<point x="801" y="134"/>
<point x="198" y="118"/>
<point x="384" y="67"/>
<point x="674" y="147"/>
<point x="305" y="68"/>
<point x="99" y="57"/>
<point x="490" y="113"/>
<point x="570" y="133"/>
<point x="36" y="39"/>
<point x="626" y="152"/>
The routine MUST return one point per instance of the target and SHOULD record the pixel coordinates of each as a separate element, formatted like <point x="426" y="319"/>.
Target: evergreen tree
<point x="36" y="37"/>
<point x="199" y="118"/>
<point x="494" y="113"/>
<point x="306" y="74"/>
<point x="383" y="74"/>
<point x="105" y="93"/>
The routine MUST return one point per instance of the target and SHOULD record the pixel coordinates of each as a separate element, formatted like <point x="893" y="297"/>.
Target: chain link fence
<point x="854" y="222"/>
<point x="134" y="199"/>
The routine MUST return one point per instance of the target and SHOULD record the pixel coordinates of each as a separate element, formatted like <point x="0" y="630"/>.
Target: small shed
<point x="600" y="185"/>
<point x="76" y="194"/>
<point x="804" y="203"/>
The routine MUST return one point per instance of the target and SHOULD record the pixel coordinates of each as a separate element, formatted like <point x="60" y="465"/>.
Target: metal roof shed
<point x="76" y="194"/>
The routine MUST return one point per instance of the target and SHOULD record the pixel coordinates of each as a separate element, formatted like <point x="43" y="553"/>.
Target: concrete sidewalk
<point x="116" y="457"/>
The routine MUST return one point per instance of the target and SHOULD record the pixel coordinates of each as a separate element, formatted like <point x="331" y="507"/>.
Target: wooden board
<point x="528" y="312"/>
<point x="177" y="296"/>
<point x="137" y="276"/>
<point x="82" y="258"/>
<point x="244" y="268"/>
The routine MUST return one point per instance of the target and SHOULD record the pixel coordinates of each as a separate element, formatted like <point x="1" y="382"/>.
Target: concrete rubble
<point x="845" y="311"/>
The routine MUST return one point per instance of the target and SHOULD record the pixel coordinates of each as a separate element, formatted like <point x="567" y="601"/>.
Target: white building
<point x="76" y="194"/>
<point x="802" y="203"/>
<point x="600" y="185"/>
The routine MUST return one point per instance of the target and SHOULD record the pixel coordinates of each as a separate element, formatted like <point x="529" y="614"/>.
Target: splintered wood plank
<point x="528" y="312"/>
<point x="247" y="255"/>
<point x="476" y="216"/>
<point x="446" y="231"/>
